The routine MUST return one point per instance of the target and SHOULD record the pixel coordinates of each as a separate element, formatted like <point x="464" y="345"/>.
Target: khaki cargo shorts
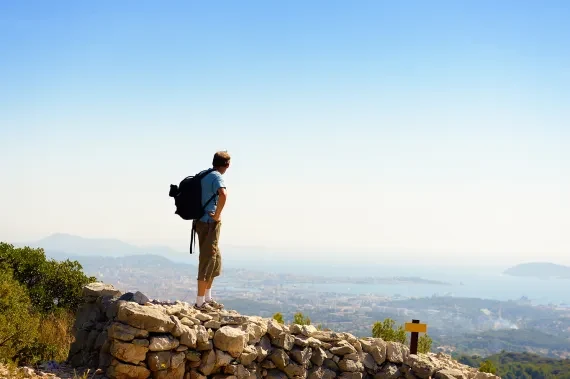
<point x="210" y="259"/>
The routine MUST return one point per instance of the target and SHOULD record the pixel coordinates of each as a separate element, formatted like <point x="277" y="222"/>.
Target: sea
<point x="487" y="282"/>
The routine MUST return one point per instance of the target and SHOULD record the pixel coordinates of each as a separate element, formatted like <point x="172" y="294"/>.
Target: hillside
<point x="512" y="365"/>
<point x="543" y="270"/>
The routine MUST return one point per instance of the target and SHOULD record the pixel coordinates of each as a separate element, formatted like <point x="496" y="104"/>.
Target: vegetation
<point x="38" y="301"/>
<point x="387" y="332"/>
<point x="279" y="318"/>
<point x="519" y="365"/>
<point x="300" y="319"/>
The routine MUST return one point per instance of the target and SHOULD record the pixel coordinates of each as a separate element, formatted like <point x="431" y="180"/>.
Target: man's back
<point x="211" y="183"/>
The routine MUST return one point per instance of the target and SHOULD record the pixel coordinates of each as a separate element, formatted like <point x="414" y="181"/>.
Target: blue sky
<point x="366" y="126"/>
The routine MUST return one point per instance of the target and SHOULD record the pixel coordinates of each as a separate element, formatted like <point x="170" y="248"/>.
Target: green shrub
<point x="387" y="331"/>
<point x="488" y="367"/>
<point x="300" y="319"/>
<point x="18" y="323"/>
<point x="278" y="317"/>
<point x="51" y="285"/>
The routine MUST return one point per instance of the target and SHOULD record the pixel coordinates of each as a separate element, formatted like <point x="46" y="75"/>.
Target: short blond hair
<point x="221" y="159"/>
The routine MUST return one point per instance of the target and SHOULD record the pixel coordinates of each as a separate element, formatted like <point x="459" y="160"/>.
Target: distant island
<point x="542" y="270"/>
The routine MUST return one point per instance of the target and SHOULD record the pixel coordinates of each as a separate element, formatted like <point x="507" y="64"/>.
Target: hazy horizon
<point x="430" y="133"/>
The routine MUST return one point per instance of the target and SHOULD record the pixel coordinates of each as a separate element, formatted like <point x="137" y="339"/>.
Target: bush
<point x="278" y="317"/>
<point x="38" y="300"/>
<point x="387" y="332"/>
<point x="488" y="367"/>
<point x="18" y="324"/>
<point x="300" y="319"/>
<point x="51" y="285"/>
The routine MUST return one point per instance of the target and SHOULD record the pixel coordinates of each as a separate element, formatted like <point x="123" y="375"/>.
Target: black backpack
<point x="188" y="200"/>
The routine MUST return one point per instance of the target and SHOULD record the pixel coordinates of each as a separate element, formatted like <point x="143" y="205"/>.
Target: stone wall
<point x="126" y="336"/>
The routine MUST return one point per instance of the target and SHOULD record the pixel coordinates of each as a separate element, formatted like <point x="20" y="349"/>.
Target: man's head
<point x="221" y="161"/>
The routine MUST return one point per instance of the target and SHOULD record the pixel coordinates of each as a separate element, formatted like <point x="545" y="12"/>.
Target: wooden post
<point x="415" y="328"/>
<point x="414" y="339"/>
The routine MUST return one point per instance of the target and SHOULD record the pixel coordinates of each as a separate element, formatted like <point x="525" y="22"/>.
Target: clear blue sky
<point x="365" y="126"/>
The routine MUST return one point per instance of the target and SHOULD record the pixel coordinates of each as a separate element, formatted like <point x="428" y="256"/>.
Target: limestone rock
<point x="248" y="355"/>
<point x="163" y="343"/>
<point x="301" y="356"/>
<point x="450" y="374"/>
<point x="128" y="352"/>
<point x="125" y="332"/>
<point x="231" y="340"/>
<point x="97" y="289"/>
<point x="208" y="363"/>
<point x="188" y="337"/>
<point x="395" y="352"/>
<point x="120" y="370"/>
<point x="320" y="373"/>
<point x="343" y="348"/>
<point x="388" y="371"/>
<point x="159" y="360"/>
<point x="284" y="340"/>
<point x="222" y="358"/>
<point x="147" y="318"/>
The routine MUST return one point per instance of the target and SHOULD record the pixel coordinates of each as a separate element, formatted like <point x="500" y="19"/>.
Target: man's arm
<point x="223" y="194"/>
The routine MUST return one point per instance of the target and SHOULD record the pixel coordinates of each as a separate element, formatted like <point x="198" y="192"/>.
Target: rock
<point x="351" y="375"/>
<point x="284" y="340"/>
<point x="125" y="332"/>
<point x="188" y="337"/>
<point x="321" y="373"/>
<point x="343" y="348"/>
<point x="159" y="360"/>
<point x="176" y="359"/>
<point x="395" y="352"/>
<point x="212" y="324"/>
<point x="177" y="330"/>
<point x="97" y="289"/>
<point x="295" y="370"/>
<point x="301" y="356"/>
<point x="147" y="318"/>
<point x="163" y="343"/>
<point x="422" y="365"/>
<point x="121" y="370"/>
<point x="275" y="374"/>
<point x="450" y="374"/>
<point x="318" y="356"/>
<point x="128" y="352"/>
<point x="140" y="298"/>
<point x="203" y="317"/>
<point x="248" y="355"/>
<point x="274" y="329"/>
<point x="280" y="358"/>
<point x="193" y="356"/>
<point x="231" y="340"/>
<point x="325" y="336"/>
<point x="171" y="373"/>
<point x="207" y="363"/>
<point x="350" y="365"/>
<point x="222" y="358"/>
<point x="388" y="371"/>
<point x="263" y="348"/>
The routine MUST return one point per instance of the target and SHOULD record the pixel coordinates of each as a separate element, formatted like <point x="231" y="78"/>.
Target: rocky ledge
<point x="127" y="336"/>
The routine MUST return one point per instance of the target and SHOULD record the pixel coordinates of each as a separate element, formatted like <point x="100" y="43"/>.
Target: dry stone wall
<point x="126" y="336"/>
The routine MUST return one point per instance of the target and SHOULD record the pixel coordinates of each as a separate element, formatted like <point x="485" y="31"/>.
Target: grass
<point x="55" y="331"/>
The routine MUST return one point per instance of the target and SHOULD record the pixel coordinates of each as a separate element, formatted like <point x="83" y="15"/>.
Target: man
<point x="208" y="231"/>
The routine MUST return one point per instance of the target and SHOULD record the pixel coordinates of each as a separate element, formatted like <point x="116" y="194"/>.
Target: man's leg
<point x="209" y="261"/>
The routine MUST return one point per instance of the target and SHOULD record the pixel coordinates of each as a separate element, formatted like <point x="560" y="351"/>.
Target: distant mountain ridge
<point x="59" y="243"/>
<point x="543" y="270"/>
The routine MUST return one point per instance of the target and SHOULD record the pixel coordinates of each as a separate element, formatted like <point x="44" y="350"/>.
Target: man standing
<point x="208" y="231"/>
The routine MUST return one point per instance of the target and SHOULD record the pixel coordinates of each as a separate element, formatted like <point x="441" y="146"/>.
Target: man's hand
<point x="215" y="217"/>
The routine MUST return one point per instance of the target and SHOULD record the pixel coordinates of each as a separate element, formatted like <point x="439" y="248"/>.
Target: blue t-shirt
<point x="211" y="183"/>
